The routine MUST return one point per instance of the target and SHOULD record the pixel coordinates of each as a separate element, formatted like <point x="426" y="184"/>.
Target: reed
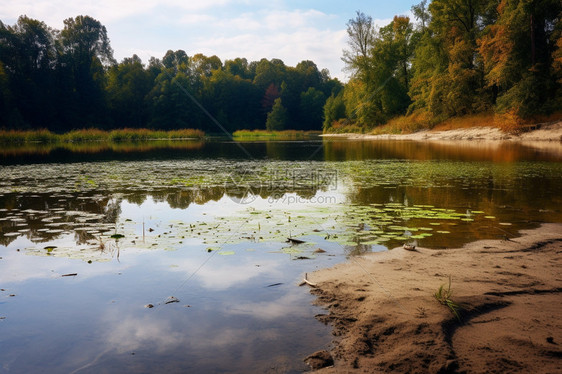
<point x="35" y="136"/>
<point x="95" y="135"/>
<point x="264" y="134"/>
<point x="84" y="135"/>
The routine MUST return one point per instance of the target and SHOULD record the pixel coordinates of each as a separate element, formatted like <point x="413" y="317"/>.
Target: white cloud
<point x="290" y="304"/>
<point x="222" y="274"/>
<point x="196" y="19"/>
<point x="320" y="46"/>
<point x="127" y="334"/>
<point x="226" y="28"/>
<point x="25" y="265"/>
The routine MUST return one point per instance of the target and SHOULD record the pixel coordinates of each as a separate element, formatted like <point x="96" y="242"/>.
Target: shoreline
<point x="385" y="317"/>
<point x="551" y="132"/>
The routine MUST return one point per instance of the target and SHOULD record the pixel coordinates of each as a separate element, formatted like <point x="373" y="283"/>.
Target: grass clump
<point x="443" y="296"/>
<point x="277" y="135"/>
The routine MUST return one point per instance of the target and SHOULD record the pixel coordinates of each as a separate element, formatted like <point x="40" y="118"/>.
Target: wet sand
<point x="385" y="317"/>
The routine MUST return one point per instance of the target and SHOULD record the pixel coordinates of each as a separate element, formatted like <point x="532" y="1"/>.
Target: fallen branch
<point x="306" y="281"/>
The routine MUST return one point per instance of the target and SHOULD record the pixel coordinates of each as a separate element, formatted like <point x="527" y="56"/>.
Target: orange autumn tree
<point x="517" y="51"/>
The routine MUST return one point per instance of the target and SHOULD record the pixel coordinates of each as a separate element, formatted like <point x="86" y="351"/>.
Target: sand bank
<point x="543" y="132"/>
<point x="386" y="319"/>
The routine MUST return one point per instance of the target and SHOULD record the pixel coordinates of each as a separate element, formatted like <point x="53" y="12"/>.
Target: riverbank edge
<point x="549" y="132"/>
<point x="385" y="317"/>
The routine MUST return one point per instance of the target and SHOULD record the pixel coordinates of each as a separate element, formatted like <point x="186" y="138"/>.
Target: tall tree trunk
<point x="533" y="46"/>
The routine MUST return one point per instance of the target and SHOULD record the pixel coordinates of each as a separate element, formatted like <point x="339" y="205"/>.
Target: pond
<point x="174" y="256"/>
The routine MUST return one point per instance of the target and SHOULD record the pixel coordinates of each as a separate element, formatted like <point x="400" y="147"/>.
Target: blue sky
<point x="291" y="30"/>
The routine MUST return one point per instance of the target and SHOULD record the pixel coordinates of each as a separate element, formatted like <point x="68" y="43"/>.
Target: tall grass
<point x="507" y="122"/>
<point x="36" y="136"/>
<point x="85" y="135"/>
<point x="91" y="135"/>
<point x="345" y="127"/>
<point x="92" y="147"/>
<point x="414" y="122"/>
<point x="264" y="134"/>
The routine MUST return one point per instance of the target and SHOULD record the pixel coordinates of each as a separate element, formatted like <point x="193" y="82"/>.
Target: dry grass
<point x="345" y="127"/>
<point x="511" y="123"/>
<point x="507" y="122"/>
<point x="91" y="135"/>
<point x="264" y="134"/>
<point x="474" y="120"/>
<point x="405" y="124"/>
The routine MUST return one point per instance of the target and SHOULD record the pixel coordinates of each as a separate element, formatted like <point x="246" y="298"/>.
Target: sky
<point x="291" y="30"/>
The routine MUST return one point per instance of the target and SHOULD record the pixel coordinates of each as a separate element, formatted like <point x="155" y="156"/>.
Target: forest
<point x="62" y="80"/>
<point x="458" y="58"/>
<point x="455" y="58"/>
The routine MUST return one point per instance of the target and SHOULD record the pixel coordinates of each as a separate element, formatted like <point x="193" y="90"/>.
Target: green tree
<point x="447" y="71"/>
<point x="421" y="12"/>
<point x="334" y="110"/>
<point x="380" y="84"/>
<point x="128" y="84"/>
<point x="28" y="55"/>
<point x="174" y="95"/>
<point x="361" y="35"/>
<point x="85" y="50"/>
<point x="268" y="72"/>
<point x="175" y="59"/>
<point x="312" y="109"/>
<point x="204" y="66"/>
<point x="234" y="101"/>
<point x="238" y="66"/>
<point x="277" y="118"/>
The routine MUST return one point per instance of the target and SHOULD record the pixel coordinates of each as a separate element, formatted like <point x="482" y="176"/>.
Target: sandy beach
<point x="549" y="132"/>
<point x="385" y="317"/>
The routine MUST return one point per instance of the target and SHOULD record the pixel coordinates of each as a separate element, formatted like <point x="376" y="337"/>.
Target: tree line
<point x="68" y="79"/>
<point x="460" y="57"/>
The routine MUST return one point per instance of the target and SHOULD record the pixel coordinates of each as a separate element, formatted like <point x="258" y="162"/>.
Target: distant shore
<point x="385" y="317"/>
<point x="551" y="132"/>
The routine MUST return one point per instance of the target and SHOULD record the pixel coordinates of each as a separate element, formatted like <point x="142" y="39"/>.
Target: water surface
<point x="207" y="223"/>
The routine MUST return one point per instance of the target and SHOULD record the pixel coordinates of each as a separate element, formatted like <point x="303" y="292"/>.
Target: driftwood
<point x="306" y="281"/>
<point x="295" y="241"/>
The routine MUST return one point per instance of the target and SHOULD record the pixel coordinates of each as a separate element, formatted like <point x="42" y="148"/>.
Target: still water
<point x="90" y="235"/>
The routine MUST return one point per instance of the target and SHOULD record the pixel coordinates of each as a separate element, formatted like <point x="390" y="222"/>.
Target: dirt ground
<point x="385" y="317"/>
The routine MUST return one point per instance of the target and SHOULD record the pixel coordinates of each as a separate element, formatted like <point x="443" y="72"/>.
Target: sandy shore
<point x="386" y="319"/>
<point x="544" y="132"/>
